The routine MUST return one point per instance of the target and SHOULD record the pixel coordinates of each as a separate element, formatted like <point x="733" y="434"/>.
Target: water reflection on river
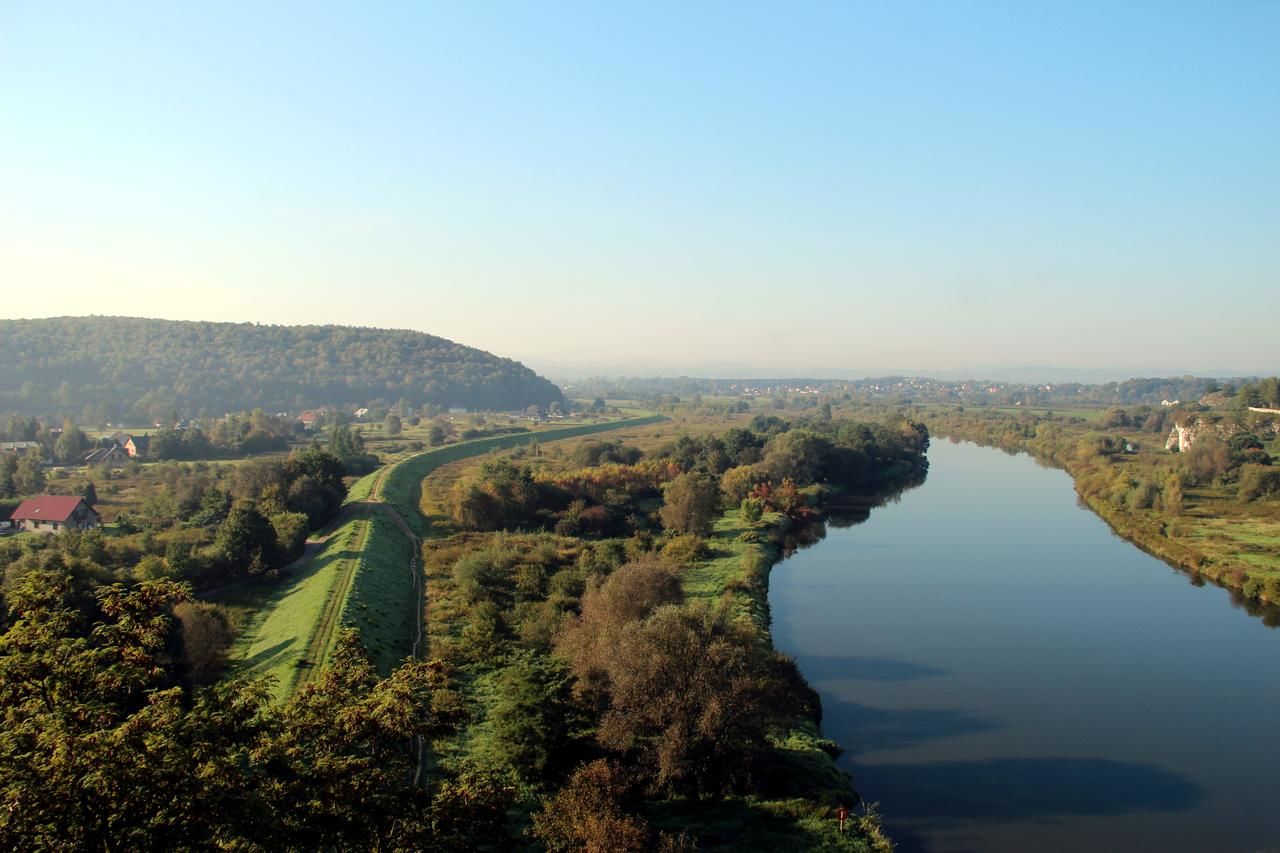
<point x="1008" y="675"/>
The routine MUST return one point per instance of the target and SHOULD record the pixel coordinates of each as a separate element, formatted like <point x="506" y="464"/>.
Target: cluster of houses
<point x="117" y="452"/>
<point x="130" y="447"/>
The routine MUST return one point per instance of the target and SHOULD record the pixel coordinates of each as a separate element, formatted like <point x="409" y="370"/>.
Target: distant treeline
<point x="1131" y="392"/>
<point x="122" y="368"/>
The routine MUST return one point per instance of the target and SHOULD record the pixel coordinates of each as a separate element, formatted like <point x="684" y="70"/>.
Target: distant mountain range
<point x="128" y="367"/>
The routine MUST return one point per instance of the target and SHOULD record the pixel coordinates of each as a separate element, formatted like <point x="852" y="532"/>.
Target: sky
<point x="702" y="188"/>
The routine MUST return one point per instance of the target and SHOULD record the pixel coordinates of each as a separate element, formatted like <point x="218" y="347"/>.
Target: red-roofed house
<point x="52" y="513"/>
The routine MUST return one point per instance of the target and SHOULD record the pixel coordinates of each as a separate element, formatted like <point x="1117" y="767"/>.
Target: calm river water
<point x="1006" y="674"/>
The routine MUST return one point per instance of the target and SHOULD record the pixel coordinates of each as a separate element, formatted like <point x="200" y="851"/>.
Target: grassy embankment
<point x="1208" y="532"/>
<point x="362" y="574"/>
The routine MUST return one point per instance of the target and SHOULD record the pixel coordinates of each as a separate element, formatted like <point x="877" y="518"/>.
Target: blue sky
<point x="679" y="187"/>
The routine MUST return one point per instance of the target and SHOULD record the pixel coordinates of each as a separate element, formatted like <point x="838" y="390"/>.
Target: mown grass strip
<point x="276" y="643"/>
<point x="379" y="602"/>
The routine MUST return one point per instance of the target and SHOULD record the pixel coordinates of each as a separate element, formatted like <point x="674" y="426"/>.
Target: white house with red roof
<point x="54" y="513"/>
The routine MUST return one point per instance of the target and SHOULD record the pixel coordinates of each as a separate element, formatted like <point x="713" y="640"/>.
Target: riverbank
<point x="1200" y="531"/>
<point x="735" y="574"/>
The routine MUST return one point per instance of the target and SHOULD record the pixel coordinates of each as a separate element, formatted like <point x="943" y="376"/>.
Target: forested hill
<point x="140" y="367"/>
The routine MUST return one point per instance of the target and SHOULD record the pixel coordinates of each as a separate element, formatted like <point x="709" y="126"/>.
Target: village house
<point x="136" y="445"/>
<point x="54" y="513"/>
<point x="114" y="455"/>
<point x="20" y="447"/>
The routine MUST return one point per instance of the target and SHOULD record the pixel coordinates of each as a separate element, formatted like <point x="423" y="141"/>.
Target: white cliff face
<point x="1184" y="435"/>
<point x="1179" y="439"/>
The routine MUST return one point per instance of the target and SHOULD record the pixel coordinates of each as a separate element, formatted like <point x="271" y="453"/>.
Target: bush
<point x="684" y="550"/>
<point x="1258" y="482"/>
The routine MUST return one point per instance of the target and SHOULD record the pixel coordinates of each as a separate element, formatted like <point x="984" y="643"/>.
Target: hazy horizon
<point x="830" y="187"/>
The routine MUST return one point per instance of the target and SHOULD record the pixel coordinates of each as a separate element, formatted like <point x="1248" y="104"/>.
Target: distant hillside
<point x="133" y="367"/>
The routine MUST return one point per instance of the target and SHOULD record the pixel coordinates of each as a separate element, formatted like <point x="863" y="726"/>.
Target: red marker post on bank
<point x="842" y="814"/>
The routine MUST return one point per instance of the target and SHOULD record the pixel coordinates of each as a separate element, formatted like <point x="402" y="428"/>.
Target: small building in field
<point x="55" y="513"/>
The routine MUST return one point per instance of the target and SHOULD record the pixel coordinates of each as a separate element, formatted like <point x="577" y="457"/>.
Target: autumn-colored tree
<point x="630" y="593"/>
<point x="693" y="695"/>
<point x="586" y="814"/>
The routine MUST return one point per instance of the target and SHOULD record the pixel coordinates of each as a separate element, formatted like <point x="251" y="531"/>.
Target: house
<point x="136" y="445"/>
<point x="52" y="513"/>
<point x="114" y="455"/>
<point x="20" y="447"/>
<point x="311" y="419"/>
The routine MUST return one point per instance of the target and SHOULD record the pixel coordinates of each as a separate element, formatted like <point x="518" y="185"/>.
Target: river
<point x="1006" y="674"/>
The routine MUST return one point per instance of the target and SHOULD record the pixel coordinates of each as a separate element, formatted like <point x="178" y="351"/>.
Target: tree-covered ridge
<point x="147" y="368"/>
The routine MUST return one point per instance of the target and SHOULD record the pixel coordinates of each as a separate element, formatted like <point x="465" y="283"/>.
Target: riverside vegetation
<point x="605" y="612"/>
<point x="1213" y="509"/>
<point x="547" y="728"/>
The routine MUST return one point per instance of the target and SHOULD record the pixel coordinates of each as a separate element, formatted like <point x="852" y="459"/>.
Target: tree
<point x="632" y="592"/>
<point x="737" y="483"/>
<point x="29" y="478"/>
<point x="246" y="541"/>
<point x="97" y="746"/>
<point x="435" y="435"/>
<point x="341" y="777"/>
<point x="392" y="424"/>
<point x="586" y="815"/>
<point x="502" y="496"/>
<point x="206" y="639"/>
<point x="8" y="473"/>
<point x="102" y="748"/>
<point x="71" y="445"/>
<point x="533" y="716"/>
<point x="694" y="696"/>
<point x="90" y="493"/>
<point x="690" y="503"/>
<point x="1208" y="459"/>
<point x="291" y="533"/>
<point x="1258" y="481"/>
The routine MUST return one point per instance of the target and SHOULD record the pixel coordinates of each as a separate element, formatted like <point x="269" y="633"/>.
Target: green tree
<point x="392" y="424"/>
<point x="72" y="444"/>
<point x="690" y="503"/>
<point x="29" y="478"/>
<point x="8" y="475"/>
<point x="533" y="717"/>
<point x="246" y="541"/>
<point x="90" y="493"/>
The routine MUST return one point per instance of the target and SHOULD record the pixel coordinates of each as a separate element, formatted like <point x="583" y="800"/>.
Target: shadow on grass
<point x="265" y="658"/>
